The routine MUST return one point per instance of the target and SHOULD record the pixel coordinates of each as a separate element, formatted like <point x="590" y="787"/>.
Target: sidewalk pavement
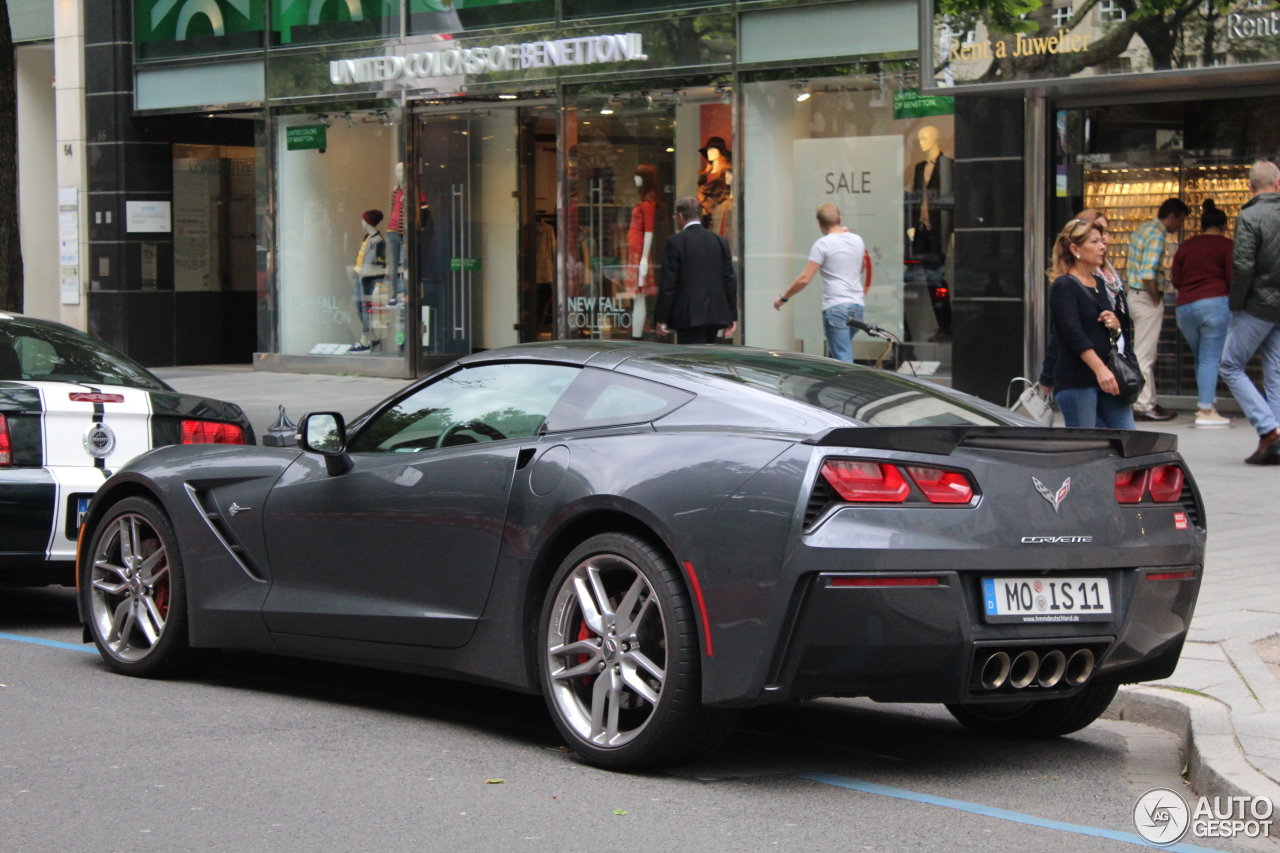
<point x="1224" y="699"/>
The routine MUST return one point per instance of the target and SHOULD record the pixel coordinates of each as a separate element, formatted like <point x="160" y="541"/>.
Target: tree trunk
<point x="10" y="240"/>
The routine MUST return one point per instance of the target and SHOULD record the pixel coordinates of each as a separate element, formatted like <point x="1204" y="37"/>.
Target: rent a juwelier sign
<point x="977" y="42"/>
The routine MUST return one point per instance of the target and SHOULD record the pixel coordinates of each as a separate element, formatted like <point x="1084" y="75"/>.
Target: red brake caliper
<point x="161" y="594"/>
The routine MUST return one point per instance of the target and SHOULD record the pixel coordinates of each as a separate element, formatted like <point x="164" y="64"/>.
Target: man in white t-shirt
<point x="841" y="257"/>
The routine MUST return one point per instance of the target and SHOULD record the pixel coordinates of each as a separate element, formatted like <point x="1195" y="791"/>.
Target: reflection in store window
<point x="630" y="157"/>
<point x="340" y="288"/>
<point x="313" y="21"/>
<point x="452" y="16"/>
<point x="165" y="28"/>
<point x="885" y="158"/>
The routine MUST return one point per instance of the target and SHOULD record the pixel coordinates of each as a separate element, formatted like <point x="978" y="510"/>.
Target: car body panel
<point x="436" y="561"/>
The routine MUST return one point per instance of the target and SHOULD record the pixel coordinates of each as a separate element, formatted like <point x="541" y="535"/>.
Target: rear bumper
<point x="928" y="643"/>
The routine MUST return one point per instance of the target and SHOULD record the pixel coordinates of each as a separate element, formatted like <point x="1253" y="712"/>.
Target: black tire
<point x="1041" y="718"/>
<point x="130" y="651"/>
<point x="678" y="726"/>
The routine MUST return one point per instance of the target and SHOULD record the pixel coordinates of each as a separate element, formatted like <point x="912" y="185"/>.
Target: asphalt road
<point x="256" y="753"/>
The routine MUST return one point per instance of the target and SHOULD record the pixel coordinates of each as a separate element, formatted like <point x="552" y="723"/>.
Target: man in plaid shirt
<point x="1145" y="272"/>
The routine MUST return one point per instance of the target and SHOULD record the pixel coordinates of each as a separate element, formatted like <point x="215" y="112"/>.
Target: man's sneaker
<point x="359" y="347"/>
<point x="1265" y="454"/>
<point x="1210" y="418"/>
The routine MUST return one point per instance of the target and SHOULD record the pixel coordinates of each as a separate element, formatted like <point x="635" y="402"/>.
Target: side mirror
<point x="325" y="433"/>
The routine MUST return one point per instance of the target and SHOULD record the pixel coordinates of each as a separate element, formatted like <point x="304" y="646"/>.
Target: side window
<point x="38" y="357"/>
<point x="602" y="398"/>
<point x="490" y="402"/>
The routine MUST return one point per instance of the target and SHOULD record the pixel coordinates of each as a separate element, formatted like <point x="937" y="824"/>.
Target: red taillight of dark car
<point x="1162" y="482"/>
<point x="211" y="432"/>
<point x="6" y="446"/>
<point x="856" y="481"/>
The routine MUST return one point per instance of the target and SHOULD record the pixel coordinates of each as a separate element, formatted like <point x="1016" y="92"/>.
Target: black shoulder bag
<point x="1123" y="365"/>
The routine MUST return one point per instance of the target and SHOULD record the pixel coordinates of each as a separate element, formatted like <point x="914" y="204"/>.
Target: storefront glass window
<point x="164" y="28"/>
<point x="1126" y="160"/>
<point x="595" y="8"/>
<point x="453" y="16"/>
<point x="885" y="159"/>
<point x="312" y="21"/>
<point x="630" y="157"/>
<point x="340" y="269"/>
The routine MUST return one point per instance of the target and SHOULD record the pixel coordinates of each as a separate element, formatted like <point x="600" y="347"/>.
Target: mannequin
<point x="395" y="234"/>
<point x="714" y="181"/>
<point x="640" y="245"/>
<point x="369" y="271"/>
<point x="929" y="215"/>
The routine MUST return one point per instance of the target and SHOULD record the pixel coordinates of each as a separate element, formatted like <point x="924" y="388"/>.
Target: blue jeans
<point x="835" y="322"/>
<point x="1090" y="407"/>
<point x="1246" y="334"/>
<point x="1204" y="324"/>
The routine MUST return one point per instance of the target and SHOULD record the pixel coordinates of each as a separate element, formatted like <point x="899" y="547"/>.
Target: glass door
<point x="468" y="235"/>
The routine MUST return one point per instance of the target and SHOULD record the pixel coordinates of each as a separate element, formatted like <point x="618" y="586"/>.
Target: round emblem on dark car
<point x="99" y="441"/>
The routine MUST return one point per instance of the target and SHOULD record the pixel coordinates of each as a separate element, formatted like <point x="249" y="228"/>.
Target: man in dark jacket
<point x="698" y="291"/>
<point x="1255" y="311"/>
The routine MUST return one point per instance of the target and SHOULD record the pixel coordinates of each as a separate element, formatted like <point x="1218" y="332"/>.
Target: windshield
<point x="36" y="352"/>
<point x="871" y="396"/>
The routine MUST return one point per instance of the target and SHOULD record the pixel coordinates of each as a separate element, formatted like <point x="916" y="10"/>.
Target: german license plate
<point x="1046" y="599"/>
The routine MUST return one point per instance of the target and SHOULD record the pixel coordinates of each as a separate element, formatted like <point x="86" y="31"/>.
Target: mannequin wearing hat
<point x="369" y="271"/>
<point x="714" y="180"/>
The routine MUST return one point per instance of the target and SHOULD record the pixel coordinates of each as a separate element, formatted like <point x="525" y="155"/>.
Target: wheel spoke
<point x="130" y="622"/>
<point x="587" y="604"/>
<point x="615" y="693"/>
<point x="110" y="588"/>
<point x="129" y="533"/>
<point x="118" y="619"/>
<point x="157" y="618"/>
<point x="581" y="647"/>
<point x="147" y="569"/>
<point x="634" y="626"/>
<point x="628" y="604"/>
<point x="602" y="597"/>
<point x="642" y="660"/>
<point x="143" y="621"/>
<point x="108" y="567"/>
<point x="599" y="698"/>
<point x="638" y="684"/>
<point x="578" y="671"/>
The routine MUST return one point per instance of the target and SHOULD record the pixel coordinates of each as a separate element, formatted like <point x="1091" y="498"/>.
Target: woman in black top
<point x="1083" y="314"/>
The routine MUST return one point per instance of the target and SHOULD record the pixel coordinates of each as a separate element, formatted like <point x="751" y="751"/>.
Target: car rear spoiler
<point x="942" y="440"/>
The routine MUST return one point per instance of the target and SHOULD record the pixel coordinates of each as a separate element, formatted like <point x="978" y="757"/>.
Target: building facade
<point x="379" y="186"/>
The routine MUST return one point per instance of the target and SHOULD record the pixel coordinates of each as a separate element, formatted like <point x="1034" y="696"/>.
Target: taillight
<point x="942" y="487"/>
<point x="1165" y="484"/>
<point x="1130" y="486"/>
<point x="6" y="447"/>
<point x="873" y="482"/>
<point x="211" y="432"/>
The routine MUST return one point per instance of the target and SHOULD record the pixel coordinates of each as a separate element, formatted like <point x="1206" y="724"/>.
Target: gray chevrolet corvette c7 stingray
<point x="654" y="537"/>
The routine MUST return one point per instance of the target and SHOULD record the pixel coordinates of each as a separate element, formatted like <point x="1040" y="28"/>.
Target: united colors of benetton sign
<point x="419" y="68"/>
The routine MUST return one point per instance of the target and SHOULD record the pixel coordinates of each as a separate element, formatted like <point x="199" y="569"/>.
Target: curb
<point x="1216" y="764"/>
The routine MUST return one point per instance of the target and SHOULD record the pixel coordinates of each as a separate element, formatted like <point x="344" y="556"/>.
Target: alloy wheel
<point x="606" y="650"/>
<point x="129" y="587"/>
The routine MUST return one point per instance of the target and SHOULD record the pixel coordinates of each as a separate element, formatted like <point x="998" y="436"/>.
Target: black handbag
<point x="1125" y="368"/>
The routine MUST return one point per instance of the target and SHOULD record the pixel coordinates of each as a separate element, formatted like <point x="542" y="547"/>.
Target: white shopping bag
<point x="1033" y="402"/>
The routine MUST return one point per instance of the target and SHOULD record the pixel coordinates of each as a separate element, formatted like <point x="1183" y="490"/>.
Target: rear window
<point x="602" y="398"/>
<point x="871" y="396"/>
<point x="35" y="352"/>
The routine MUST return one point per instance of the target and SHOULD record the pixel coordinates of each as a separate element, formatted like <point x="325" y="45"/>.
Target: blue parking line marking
<point x="53" y="644"/>
<point x="991" y="811"/>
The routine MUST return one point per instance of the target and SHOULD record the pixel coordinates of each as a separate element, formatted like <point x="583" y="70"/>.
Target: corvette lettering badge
<point x="1054" y="498"/>
<point x="1056" y="540"/>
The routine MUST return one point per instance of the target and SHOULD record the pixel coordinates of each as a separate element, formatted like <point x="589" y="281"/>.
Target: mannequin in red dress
<point x="640" y="278"/>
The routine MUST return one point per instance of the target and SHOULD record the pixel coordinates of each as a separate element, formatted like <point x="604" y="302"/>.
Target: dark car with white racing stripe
<point x="654" y="537"/>
<point x="73" y="411"/>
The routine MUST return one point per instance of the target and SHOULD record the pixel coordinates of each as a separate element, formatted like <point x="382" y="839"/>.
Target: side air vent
<point x="788" y="628"/>
<point x="819" y="499"/>
<point x="208" y="510"/>
<point x="1195" y="513"/>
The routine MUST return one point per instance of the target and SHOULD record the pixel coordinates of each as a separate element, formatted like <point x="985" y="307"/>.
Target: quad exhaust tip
<point x="995" y="671"/>
<point x="1056" y="668"/>
<point x="1023" y="669"/>
<point x="1079" y="667"/>
<point x="1052" y="667"/>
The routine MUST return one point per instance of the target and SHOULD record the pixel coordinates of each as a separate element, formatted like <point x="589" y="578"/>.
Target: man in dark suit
<point x="698" y="291"/>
